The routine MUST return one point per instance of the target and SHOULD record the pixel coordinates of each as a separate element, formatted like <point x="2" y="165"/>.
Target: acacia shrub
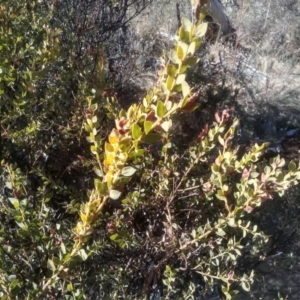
<point x="211" y="177"/>
<point x="44" y="155"/>
<point x="182" y="214"/>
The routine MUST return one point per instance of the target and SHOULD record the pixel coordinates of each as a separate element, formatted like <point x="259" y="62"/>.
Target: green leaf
<point x="83" y="254"/>
<point x="171" y="70"/>
<point x="231" y="222"/>
<point x="227" y="155"/>
<point x="163" y="87"/>
<point x="88" y="128"/>
<point x="137" y="153"/>
<point x="95" y="131"/>
<point x="197" y="42"/>
<point x="215" y="169"/>
<point x="177" y="88"/>
<point x="110" y="116"/>
<point x="201" y="30"/>
<point x="98" y="172"/>
<point x="281" y="163"/>
<point x="93" y="149"/>
<point x="279" y="176"/>
<point x="185" y="89"/>
<point x="191" y="61"/>
<point x="63" y="248"/>
<point x="254" y="174"/>
<point x="136" y="131"/>
<point x="232" y="256"/>
<point x="90" y="140"/>
<point x="100" y="186"/>
<point x="174" y="57"/>
<point x="184" y="35"/>
<point x="170" y="82"/>
<point x="8" y="185"/>
<point x="267" y="170"/>
<point x="50" y="265"/>
<point x="114" y="194"/>
<point x="12" y="278"/>
<point x="94" y="107"/>
<point x="147" y="126"/>
<point x="114" y="237"/>
<point x="123" y="180"/>
<point x="186" y="24"/>
<point x="122" y="114"/>
<point x="220" y="197"/>
<point x="166" y="125"/>
<point x="152" y="138"/>
<point x="184" y="102"/>
<point x="14" y="202"/>
<point x="221" y="232"/>
<point x="221" y="140"/>
<point x="160" y="109"/>
<point x="192" y="48"/>
<point x="69" y="287"/>
<point x="92" y="136"/>
<point x="169" y="105"/>
<point x="183" y="69"/>
<point x="22" y="225"/>
<point x="109" y="148"/>
<point x="193" y="233"/>
<point x="128" y="171"/>
<point x="181" y="50"/>
<point x="180" y="79"/>
<point x="292" y="166"/>
<point x="125" y="140"/>
<point x="245" y="286"/>
<point x="237" y="251"/>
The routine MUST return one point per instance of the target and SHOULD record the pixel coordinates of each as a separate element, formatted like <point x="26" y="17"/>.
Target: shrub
<point x="160" y="220"/>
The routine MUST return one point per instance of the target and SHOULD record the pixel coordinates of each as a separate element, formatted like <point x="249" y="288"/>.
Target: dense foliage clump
<point x="99" y="202"/>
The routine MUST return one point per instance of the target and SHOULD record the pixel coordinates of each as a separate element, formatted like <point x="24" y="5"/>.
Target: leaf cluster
<point x="151" y="221"/>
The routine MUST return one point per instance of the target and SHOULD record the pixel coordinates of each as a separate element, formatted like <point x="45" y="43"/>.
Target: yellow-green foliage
<point x="202" y="196"/>
<point x="149" y="122"/>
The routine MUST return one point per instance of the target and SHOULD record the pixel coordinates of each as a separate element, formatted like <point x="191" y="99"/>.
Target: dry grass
<point x="270" y="29"/>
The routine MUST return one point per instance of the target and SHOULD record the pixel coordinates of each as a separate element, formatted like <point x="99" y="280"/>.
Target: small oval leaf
<point x="170" y="82"/>
<point x="191" y="61"/>
<point x="292" y="166"/>
<point x="174" y="58"/>
<point x="185" y="89"/>
<point x="201" y="30"/>
<point x="152" y="138"/>
<point x="171" y="70"/>
<point x="128" y="171"/>
<point x="160" y="109"/>
<point x="114" y="194"/>
<point x="98" y="172"/>
<point x="147" y="126"/>
<point x="186" y="24"/>
<point x="136" y="131"/>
